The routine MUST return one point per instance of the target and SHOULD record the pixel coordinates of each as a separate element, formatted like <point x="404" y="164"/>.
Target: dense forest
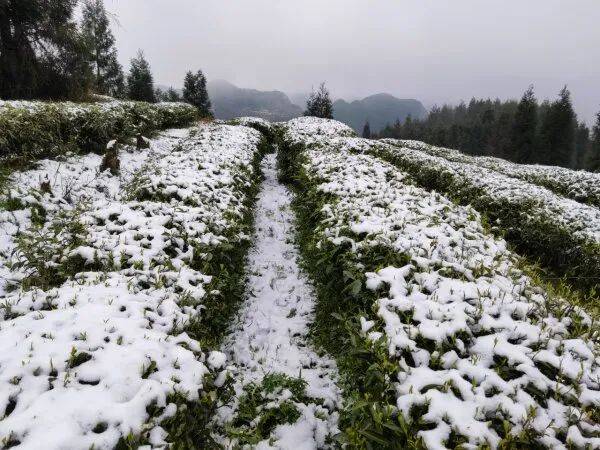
<point x="46" y="54"/>
<point x="524" y="131"/>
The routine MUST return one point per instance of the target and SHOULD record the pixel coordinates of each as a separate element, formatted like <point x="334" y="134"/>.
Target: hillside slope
<point x="378" y="109"/>
<point x="230" y="101"/>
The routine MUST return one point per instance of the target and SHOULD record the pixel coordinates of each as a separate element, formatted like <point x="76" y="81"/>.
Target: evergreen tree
<point x="319" y="104"/>
<point x="41" y="51"/>
<point x="159" y="95"/>
<point x="557" y="137"/>
<point x="593" y="159"/>
<point x="195" y="93"/>
<point x="140" y="84"/>
<point x="582" y="143"/>
<point x="524" y="130"/>
<point x="366" y="130"/>
<point x="95" y="28"/>
<point x="172" y="95"/>
<point x="408" y="128"/>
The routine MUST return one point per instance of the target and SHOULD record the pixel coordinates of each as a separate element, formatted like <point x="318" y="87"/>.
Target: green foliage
<point x="225" y="262"/>
<point x="170" y="95"/>
<point x="523" y="136"/>
<point x="288" y="163"/>
<point x="369" y="418"/>
<point x="366" y="131"/>
<point x="192" y="426"/>
<point x="194" y="92"/>
<point x="254" y="421"/>
<point x="42" y="54"/>
<point x="52" y="129"/>
<point x="557" y="133"/>
<point x="523" y="132"/>
<point x="101" y="50"/>
<point x="44" y="250"/>
<point x="140" y="83"/>
<point x="319" y="104"/>
<point x="483" y="127"/>
<point x="593" y="156"/>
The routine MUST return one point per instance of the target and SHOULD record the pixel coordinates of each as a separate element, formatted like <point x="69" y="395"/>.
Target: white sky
<point x="434" y="50"/>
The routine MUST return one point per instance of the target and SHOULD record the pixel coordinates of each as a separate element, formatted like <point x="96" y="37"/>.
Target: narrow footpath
<point x="268" y="344"/>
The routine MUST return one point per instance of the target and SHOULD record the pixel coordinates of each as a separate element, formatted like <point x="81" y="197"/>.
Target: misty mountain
<point x="299" y="98"/>
<point x="229" y="101"/>
<point x="378" y="109"/>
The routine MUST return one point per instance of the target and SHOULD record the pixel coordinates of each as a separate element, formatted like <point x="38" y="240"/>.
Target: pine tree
<point x="408" y="128"/>
<point x="593" y="159"/>
<point x="524" y="130"/>
<point x="558" y="131"/>
<point x="366" y="130"/>
<point x="159" y="95"/>
<point x="41" y="51"/>
<point x="582" y="143"/>
<point x="95" y="28"/>
<point x="140" y="84"/>
<point x="195" y="93"/>
<point x="319" y="104"/>
<point x="172" y="95"/>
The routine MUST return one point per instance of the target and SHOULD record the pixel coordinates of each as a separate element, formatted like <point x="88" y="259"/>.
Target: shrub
<point x="34" y="129"/>
<point x="561" y="233"/>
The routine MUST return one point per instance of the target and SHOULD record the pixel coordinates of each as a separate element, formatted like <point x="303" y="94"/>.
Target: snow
<point x="313" y="128"/>
<point x="575" y="184"/>
<point x="116" y="107"/>
<point x="582" y="221"/>
<point x="473" y="338"/>
<point x="460" y="317"/>
<point x="81" y="362"/>
<point x="270" y="333"/>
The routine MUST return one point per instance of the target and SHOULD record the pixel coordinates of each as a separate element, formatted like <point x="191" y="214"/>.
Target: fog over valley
<point x="432" y="51"/>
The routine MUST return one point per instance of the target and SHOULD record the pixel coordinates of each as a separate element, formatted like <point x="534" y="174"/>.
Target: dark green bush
<point x="31" y="130"/>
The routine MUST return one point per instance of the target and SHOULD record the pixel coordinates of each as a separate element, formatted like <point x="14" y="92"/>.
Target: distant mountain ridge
<point x="229" y="101"/>
<point x="379" y="110"/>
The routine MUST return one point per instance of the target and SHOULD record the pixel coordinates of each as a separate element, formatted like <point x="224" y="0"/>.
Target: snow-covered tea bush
<point x="109" y="340"/>
<point x="262" y="125"/>
<point x="454" y="345"/>
<point x="578" y="185"/>
<point x="301" y="131"/>
<point x="37" y="129"/>
<point x="563" y="233"/>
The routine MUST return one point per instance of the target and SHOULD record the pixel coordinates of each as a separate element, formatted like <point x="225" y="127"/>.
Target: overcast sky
<point x="433" y="50"/>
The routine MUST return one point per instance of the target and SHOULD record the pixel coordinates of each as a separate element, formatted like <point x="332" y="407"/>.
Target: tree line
<point x="524" y="131"/>
<point x="46" y="54"/>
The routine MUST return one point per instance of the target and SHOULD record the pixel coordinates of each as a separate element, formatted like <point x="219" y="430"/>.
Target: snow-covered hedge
<point x="563" y="233"/>
<point x="262" y="125"/>
<point x="35" y="129"/>
<point x="114" y="288"/>
<point x="456" y="345"/>
<point x="575" y="184"/>
<point x="300" y="132"/>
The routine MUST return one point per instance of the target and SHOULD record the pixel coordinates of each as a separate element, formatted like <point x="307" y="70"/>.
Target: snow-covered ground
<point x="269" y="337"/>
<point x="481" y="350"/>
<point x="84" y="360"/>
<point x="101" y="275"/>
